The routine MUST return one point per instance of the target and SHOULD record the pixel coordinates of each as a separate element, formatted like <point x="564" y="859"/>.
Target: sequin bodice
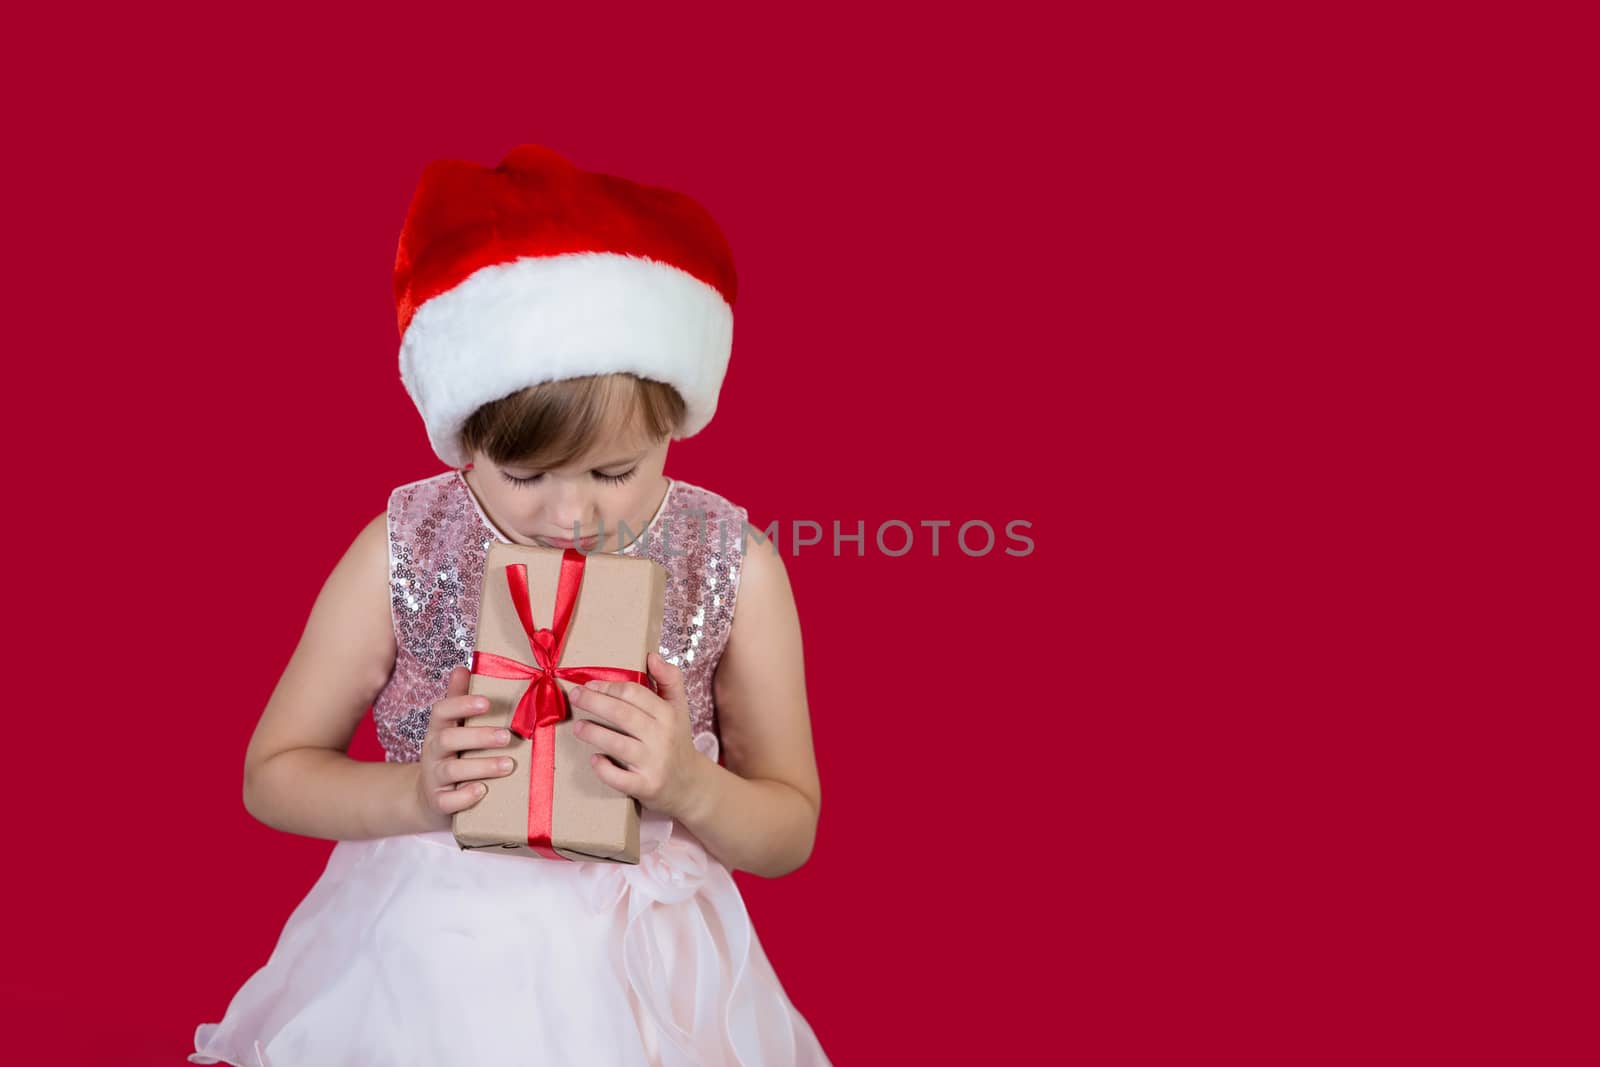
<point x="439" y="536"/>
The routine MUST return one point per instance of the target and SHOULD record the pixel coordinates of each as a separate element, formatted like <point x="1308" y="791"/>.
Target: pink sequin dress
<point x="410" y="951"/>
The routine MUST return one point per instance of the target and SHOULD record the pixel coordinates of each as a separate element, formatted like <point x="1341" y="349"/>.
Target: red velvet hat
<point x="534" y="271"/>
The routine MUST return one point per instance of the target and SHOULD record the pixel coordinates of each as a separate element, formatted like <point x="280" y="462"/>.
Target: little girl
<point x="558" y="328"/>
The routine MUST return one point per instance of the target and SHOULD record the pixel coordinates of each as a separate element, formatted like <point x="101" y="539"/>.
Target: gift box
<point x="550" y="620"/>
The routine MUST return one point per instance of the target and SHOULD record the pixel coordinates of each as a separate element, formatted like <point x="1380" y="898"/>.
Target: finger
<point x="625" y="748"/>
<point x="623" y="781"/>
<point x="451" y="710"/>
<point x="668" y="678"/>
<point x="605" y="700"/>
<point x="472" y="768"/>
<point x="456" y="704"/>
<point x="451" y="800"/>
<point x="455" y="689"/>
<point x="454" y="739"/>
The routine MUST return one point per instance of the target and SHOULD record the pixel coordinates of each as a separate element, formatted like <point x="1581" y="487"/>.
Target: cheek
<point x="618" y="507"/>
<point x="523" y="504"/>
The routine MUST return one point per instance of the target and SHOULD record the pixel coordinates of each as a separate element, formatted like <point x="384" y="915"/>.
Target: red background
<point x="1268" y="753"/>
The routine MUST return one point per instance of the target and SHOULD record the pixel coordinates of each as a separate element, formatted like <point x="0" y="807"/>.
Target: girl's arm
<point x="297" y="777"/>
<point x="759" y="812"/>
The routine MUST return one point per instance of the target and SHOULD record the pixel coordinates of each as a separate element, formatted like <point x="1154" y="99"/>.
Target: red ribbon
<point x="544" y="703"/>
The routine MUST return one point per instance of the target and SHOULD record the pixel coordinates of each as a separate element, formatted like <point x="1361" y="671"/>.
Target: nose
<point x="569" y="508"/>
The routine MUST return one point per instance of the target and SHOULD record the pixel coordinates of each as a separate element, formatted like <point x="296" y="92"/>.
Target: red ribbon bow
<point x="544" y="703"/>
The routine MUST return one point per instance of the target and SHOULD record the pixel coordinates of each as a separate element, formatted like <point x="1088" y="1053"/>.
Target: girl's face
<point x="620" y="483"/>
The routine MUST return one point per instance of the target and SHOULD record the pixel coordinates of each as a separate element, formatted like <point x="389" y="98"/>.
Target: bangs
<point x="555" y="424"/>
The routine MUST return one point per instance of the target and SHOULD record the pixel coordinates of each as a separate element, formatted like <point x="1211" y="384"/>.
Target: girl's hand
<point x="449" y="782"/>
<point x="653" y="738"/>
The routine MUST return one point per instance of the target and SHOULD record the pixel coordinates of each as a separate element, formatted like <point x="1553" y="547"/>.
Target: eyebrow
<point x="597" y="466"/>
<point x="617" y="462"/>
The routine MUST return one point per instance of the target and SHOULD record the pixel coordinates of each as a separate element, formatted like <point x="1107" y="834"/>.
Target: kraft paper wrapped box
<point x="580" y="617"/>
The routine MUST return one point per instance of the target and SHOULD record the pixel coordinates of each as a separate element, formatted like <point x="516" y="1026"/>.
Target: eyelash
<point x="613" y="479"/>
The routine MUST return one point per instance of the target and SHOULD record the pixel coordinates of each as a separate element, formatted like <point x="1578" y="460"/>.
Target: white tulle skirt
<point x="411" y="951"/>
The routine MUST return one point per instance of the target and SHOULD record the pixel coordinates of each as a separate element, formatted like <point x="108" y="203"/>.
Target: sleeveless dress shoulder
<point x="411" y="951"/>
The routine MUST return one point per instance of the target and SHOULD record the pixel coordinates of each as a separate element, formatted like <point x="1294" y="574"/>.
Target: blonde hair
<point x="553" y="424"/>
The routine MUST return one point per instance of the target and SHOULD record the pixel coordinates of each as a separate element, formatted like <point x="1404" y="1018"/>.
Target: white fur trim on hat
<point x="538" y="319"/>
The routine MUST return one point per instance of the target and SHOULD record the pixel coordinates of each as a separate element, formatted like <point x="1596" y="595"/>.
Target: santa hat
<point x="536" y="271"/>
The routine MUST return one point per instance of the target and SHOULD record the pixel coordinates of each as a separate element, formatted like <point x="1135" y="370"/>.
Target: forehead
<point x="624" y="432"/>
<point x="611" y="426"/>
<point x="609" y="451"/>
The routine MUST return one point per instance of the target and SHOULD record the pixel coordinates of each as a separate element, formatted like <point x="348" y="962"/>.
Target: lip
<point x="567" y="542"/>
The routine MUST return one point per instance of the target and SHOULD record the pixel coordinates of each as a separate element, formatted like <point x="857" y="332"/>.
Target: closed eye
<point x="612" y="479"/>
